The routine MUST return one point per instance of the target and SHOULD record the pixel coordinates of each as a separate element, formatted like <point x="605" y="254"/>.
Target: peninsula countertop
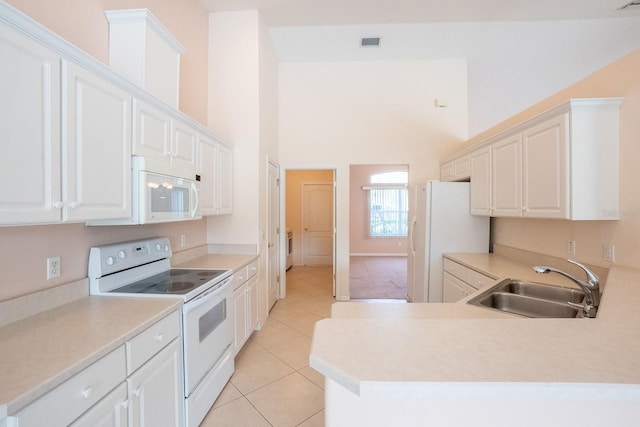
<point x="373" y="349"/>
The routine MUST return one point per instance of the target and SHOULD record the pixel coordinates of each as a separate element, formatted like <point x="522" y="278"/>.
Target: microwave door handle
<point x="196" y="199"/>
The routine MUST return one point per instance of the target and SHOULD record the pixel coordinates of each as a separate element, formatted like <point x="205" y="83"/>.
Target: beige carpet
<point x="378" y="277"/>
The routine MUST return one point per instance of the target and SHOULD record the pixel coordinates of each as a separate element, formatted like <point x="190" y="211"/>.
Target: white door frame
<point x="283" y="220"/>
<point x="278" y="232"/>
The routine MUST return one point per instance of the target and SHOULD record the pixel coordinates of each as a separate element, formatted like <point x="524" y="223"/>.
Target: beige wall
<point x="621" y="78"/>
<point x="333" y="114"/>
<point x="82" y="22"/>
<point x="360" y="175"/>
<point x="243" y="96"/>
<point x="294" y="180"/>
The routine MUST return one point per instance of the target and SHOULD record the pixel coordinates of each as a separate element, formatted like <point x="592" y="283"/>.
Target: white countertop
<point x="230" y="261"/>
<point x="42" y="351"/>
<point x="435" y="348"/>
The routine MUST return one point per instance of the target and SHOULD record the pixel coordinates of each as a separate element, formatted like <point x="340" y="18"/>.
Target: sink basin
<point x="530" y="299"/>
<point x="539" y="290"/>
<point x="527" y="306"/>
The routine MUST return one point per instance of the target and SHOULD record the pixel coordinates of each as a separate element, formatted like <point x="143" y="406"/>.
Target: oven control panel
<point x="117" y="257"/>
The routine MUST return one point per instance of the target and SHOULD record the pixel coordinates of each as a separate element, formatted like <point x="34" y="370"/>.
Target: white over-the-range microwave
<point x="160" y="193"/>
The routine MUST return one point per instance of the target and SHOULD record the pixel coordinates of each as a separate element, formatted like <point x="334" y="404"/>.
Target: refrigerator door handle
<point x="411" y="235"/>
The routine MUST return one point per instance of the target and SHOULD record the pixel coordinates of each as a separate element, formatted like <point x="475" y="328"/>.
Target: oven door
<point x="208" y="332"/>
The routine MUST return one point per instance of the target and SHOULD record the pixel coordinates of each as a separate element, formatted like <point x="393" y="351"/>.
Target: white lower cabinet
<point x="245" y="298"/>
<point x="460" y="281"/>
<point x="155" y="390"/>
<point x="139" y="383"/>
<point x="111" y="411"/>
<point x="454" y="289"/>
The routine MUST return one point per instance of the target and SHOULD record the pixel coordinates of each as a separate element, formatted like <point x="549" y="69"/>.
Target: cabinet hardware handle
<point x="58" y="205"/>
<point x="159" y="337"/>
<point x="73" y="205"/>
<point x="87" y="392"/>
<point x="137" y="392"/>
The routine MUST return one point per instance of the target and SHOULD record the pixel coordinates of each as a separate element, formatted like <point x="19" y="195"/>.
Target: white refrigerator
<point x="439" y="223"/>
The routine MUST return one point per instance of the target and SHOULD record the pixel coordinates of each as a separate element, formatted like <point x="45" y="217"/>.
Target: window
<point x="387" y="205"/>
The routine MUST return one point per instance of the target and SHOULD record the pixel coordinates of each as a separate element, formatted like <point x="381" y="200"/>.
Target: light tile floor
<point x="273" y="384"/>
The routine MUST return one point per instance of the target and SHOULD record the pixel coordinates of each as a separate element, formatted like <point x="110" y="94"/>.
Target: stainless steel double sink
<point x="531" y="299"/>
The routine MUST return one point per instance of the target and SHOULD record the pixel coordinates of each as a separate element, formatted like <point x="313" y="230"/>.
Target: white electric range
<point x="142" y="269"/>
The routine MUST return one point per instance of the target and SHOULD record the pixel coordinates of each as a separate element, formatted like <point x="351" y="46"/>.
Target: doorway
<point x="309" y="215"/>
<point x="378" y="231"/>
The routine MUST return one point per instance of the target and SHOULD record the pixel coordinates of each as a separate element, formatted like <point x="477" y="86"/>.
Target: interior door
<point x="273" y="245"/>
<point x="317" y="217"/>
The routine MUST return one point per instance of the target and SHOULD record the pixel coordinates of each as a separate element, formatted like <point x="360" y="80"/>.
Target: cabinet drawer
<point x="72" y="398"/>
<point x="455" y="269"/>
<point x="478" y="280"/>
<point x="144" y="345"/>
<point x="239" y="277"/>
<point x="252" y="269"/>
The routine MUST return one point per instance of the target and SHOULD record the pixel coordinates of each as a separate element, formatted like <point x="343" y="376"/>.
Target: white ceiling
<point x="279" y="13"/>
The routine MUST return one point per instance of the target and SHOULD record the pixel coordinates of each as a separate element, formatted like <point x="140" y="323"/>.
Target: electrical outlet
<point x="609" y="253"/>
<point x="183" y="239"/>
<point x="53" y="267"/>
<point x="571" y="248"/>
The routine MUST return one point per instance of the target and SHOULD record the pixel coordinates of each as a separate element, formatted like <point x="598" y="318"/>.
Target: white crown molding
<point x="144" y="16"/>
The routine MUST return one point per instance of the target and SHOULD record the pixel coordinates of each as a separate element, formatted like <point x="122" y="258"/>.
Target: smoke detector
<point x="632" y="4"/>
<point x="372" y="41"/>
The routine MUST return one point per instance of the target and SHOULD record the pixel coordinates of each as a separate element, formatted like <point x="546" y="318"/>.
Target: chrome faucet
<point x="591" y="287"/>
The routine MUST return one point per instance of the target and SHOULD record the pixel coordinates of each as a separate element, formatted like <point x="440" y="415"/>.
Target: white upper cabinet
<point x="160" y="137"/>
<point x="506" y="177"/>
<point x="69" y="126"/>
<point x="456" y="170"/>
<point x="561" y="164"/>
<point x="544" y="163"/>
<point x="215" y="168"/>
<point x="96" y="148"/>
<point x="29" y="130"/>
<point x="71" y="173"/>
<point x="151" y="132"/>
<point x="480" y="188"/>
<point x="184" y="145"/>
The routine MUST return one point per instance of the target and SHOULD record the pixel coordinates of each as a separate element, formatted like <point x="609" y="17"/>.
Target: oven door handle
<point x="206" y="296"/>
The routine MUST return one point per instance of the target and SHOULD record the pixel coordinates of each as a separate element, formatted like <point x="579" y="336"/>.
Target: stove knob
<point x="158" y="247"/>
<point x="110" y="260"/>
<point x="166" y="248"/>
<point x="122" y="254"/>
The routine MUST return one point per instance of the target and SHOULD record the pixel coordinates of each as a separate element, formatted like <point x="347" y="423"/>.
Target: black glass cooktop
<point x="171" y="282"/>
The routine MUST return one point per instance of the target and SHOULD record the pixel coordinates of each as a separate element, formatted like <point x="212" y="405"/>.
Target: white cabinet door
<point x="453" y="289"/>
<point x="156" y="390"/>
<point x="240" y="316"/>
<point x="151" y="132"/>
<point x="207" y="170"/>
<point x="184" y="145"/>
<point x="480" y="170"/>
<point x="545" y="175"/>
<point x="215" y="167"/>
<point x="111" y="411"/>
<point x="506" y="176"/>
<point x="96" y="148"/>
<point x="252" y="305"/>
<point x="29" y="131"/>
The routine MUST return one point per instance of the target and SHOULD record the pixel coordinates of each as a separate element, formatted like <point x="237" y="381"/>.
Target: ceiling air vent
<point x="633" y="4"/>
<point x="371" y="41"/>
